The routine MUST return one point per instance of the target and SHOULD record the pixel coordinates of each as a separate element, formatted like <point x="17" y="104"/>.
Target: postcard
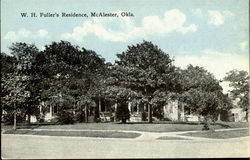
<point x="124" y="79"/>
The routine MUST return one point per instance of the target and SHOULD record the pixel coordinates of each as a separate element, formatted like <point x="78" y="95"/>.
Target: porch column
<point x="50" y="110"/>
<point x="40" y="109"/>
<point x="145" y="107"/>
<point x="115" y="111"/>
<point x="218" y="118"/>
<point x="129" y="107"/>
<point x="182" y="112"/>
<point x="99" y="104"/>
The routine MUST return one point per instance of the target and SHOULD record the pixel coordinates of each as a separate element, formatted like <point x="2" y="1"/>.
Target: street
<point x="29" y="146"/>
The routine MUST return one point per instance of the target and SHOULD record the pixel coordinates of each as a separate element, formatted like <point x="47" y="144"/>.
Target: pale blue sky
<point x="208" y="33"/>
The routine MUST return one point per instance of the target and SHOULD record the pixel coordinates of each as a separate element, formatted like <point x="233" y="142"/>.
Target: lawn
<point x="154" y="127"/>
<point x="172" y="138"/>
<point x="128" y="127"/>
<point x="101" y="134"/>
<point x="219" y="134"/>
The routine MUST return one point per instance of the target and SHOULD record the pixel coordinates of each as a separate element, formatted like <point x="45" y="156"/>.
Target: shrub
<point x="80" y="116"/>
<point x="143" y="116"/>
<point x="207" y="123"/>
<point x="122" y="112"/>
<point x="9" y="118"/>
<point x="158" y="112"/>
<point x="206" y="126"/>
<point x="65" y="117"/>
<point x="65" y="113"/>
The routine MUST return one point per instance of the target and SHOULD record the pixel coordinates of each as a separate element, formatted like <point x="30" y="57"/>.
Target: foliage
<point x="9" y="118"/>
<point x="75" y="72"/>
<point x="20" y="78"/>
<point x="65" y="116"/>
<point x="14" y="94"/>
<point x="122" y="112"/>
<point x="143" y="116"/>
<point x="239" y="80"/>
<point x="141" y="72"/>
<point x="202" y="93"/>
<point x="65" y="111"/>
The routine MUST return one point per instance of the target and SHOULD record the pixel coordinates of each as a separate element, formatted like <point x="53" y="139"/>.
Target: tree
<point x="7" y="69"/>
<point x="202" y="93"/>
<point x="13" y="88"/>
<point x="144" y="71"/>
<point x="26" y="55"/>
<point x="75" y="72"/>
<point x="24" y="58"/>
<point x="13" y="101"/>
<point x="65" y="110"/>
<point x="239" y="80"/>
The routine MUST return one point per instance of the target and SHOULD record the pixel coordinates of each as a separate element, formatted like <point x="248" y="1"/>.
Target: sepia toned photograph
<point x="118" y="79"/>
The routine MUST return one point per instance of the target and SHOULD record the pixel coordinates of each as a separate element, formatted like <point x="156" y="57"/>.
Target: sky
<point x="213" y="34"/>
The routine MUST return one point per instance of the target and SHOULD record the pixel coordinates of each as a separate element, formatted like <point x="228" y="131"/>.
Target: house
<point x="176" y="111"/>
<point x="172" y="111"/>
<point x="238" y="114"/>
<point x="47" y="113"/>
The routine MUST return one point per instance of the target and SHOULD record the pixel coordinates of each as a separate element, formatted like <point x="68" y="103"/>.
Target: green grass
<point x="220" y="134"/>
<point x="235" y="124"/>
<point x="172" y="138"/>
<point x="128" y="127"/>
<point x="154" y="127"/>
<point x="101" y="134"/>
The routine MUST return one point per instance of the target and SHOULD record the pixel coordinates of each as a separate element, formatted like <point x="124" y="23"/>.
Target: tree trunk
<point x="199" y="121"/>
<point x="123" y="120"/>
<point x="28" y="119"/>
<point x="149" y="114"/>
<point x="14" y="127"/>
<point x="86" y="114"/>
<point x="207" y="123"/>
<point x="247" y="112"/>
<point x="219" y="119"/>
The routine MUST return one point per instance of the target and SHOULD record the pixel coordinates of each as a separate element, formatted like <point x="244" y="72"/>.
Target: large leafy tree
<point x="26" y="55"/>
<point x="239" y="81"/>
<point x="75" y="72"/>
<point x="13" y="92"/>
<point x="25" y="75"/>
<point x="202" y="93"/>
<point x="144" y="72"/>
<point x="16" y="96"/>
<point x="7" y="69"/>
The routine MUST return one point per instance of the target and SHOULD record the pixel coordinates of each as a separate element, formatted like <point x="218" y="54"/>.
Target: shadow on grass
<point x="224" y="125"/>
<point x="26" y="125"/>
<point x="172" y="138"/>
<point x="219" y="134"/>
<point x="100" y="134"/>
